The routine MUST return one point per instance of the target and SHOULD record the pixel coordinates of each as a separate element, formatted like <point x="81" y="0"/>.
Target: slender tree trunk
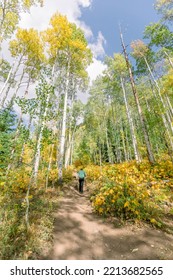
<point x="63" y="131"/>
<point x="17" y="131"/>
<point x="2" y="102"/>
<point x="127" y="144"/>
<point x="108" y="147"/>
<point x="170" y="61"/>
<point x="20" y="120"/>
<point x="72" y="148"/>
<point x="38" y="147"/>
<point x="68" y="151"/>
<point x="142" y="119"/>
<point x="123" y="141"/>
<point x="50" y="164"/>
<point x="8" y="77"/>
<point x="100" y="156"/>
<point x="159" y="93"/>
<point x="11" y="103"/>
<point x="131" y="125"/>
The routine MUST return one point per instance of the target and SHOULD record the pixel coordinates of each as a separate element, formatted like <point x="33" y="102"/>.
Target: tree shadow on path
<point x="79" y="234"/>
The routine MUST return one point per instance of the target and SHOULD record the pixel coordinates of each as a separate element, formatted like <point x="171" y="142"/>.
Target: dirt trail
<point x="79" y="234"/>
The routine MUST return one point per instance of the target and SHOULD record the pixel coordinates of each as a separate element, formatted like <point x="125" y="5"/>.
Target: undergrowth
<point x="16" y="242"/>
<point x="135" y="191"/>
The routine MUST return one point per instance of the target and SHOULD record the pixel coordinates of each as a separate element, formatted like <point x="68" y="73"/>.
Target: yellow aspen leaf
<point x="153" y="221"/>
<point x="126" y="204"/>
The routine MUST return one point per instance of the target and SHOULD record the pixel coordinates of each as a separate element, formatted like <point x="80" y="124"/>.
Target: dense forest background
<point x="122" y="136"/>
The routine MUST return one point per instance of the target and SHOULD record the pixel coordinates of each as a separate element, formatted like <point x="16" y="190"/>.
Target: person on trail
<point x="81" y="176"/>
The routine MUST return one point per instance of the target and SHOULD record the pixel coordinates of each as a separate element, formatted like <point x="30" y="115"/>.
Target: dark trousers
<point x="81" y="183"/>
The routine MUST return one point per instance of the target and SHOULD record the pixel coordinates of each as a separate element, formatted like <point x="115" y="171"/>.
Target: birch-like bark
<point x="35" y="168"/>
<point x="11" y="103"/>
<point x="50" y="164"/>
<point x="123" y="141"/>
<point x="159" y="94"/>
<point x="2" y="102"/>
<point x="141" y="116"/>
<point x="8" y="77"/>
<point x="38" y="147"/>
<point x="164" y="120"/>
<point x="131" y="125"/>
<point x="63" y="131"/>
<point x="68" y="150"/>
<point x="20" y="120"/>
<point x="70" y="136"/>
<point x="108" y="147"/>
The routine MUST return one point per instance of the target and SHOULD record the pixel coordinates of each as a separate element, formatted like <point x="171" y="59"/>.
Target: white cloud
<point x="95" y="69"/>
<point x="39" y="17"/>
<point x="98" y="47"/>
<point x="87" y="30"/>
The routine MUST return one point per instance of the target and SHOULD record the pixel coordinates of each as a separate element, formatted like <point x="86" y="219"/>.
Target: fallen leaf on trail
<point x="134" y="250"/>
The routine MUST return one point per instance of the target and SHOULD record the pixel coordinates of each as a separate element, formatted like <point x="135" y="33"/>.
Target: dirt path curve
<point x="81" y="235"/>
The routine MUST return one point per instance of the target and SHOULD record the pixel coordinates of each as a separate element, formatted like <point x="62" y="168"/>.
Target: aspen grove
<point x="122" y="136"/>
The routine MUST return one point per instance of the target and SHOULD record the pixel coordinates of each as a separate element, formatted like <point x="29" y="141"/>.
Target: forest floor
<point x="80" y="234"/>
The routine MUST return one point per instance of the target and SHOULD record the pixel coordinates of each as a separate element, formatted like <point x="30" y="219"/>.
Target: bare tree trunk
<point x="142" y="119"/>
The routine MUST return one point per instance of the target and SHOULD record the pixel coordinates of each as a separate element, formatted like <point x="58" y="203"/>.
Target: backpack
<point x="81" y="174"/>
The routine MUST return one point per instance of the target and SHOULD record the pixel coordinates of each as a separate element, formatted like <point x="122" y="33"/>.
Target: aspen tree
<point x="140" y="51"/>
<point x="67" y="49"/>
<point x="117" y="73"/>
<point x="10" y="15"/>
<point x="141" y="116"/>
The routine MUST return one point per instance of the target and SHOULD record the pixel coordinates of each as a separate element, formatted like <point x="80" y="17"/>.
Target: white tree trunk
<point x="50" y="164"/>
<point x="3" y="99"/>
<point x="160" y="96"/>
<point x="131" y="125"/>
<point x="8" y="77"/>
<point x="38" y="147"/>
<point x="140" y="112"/>
<point x="63" y="130"/>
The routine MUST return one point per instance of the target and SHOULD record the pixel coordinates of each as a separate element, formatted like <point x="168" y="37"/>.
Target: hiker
<point x="81" y="176"/>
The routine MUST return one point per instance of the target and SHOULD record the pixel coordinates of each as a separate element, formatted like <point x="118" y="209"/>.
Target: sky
<point x="100" y="21"/>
